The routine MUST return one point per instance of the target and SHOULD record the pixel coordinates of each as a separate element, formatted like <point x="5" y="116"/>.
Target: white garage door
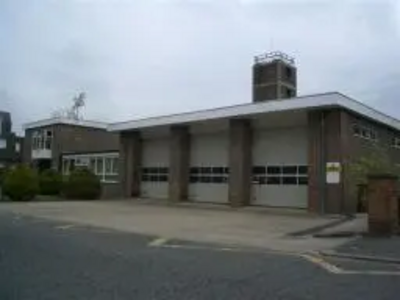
<point x="155" y="169"/>
<point x="280" y="167"/>
<point x="209" y="168"/>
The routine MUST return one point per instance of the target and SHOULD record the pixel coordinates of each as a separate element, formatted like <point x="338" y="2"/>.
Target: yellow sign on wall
<point x="333" y="170"/>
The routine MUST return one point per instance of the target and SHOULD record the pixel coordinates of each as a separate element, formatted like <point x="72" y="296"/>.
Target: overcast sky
<point x="138" y="58"/>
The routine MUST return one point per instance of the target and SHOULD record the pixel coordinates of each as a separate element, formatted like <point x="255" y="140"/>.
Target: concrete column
<point x="383" y="216"/>
<point x="240" y="162"/>
<point x="130" y="157"/>
<point x="329" y="138"/>
<point x="179" y="163"/>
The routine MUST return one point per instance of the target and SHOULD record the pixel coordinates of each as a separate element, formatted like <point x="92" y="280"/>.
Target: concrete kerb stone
<point x="315" y="230"/>
<point x="372" y="258"/>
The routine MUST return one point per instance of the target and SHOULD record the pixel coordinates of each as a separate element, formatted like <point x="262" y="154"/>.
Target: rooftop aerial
<point x="271" y="56"/>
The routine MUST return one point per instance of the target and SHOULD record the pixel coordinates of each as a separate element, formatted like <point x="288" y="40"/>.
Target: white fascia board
<point x="333" y="99"/>
<point x="66" y="121"/>
<point x="368" y="112"/>
<point x="243" y="110"/>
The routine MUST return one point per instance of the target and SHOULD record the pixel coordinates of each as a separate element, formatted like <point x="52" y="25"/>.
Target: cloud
<point x="144" y="58"/>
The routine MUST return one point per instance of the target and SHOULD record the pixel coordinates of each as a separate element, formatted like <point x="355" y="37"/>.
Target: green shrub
<point x="82" y="184"/>
<point x="3" y="173"/>
<point x="21" y="184"/>
<point x="50" y="182"/>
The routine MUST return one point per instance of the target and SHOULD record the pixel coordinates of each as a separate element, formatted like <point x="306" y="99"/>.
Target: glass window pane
<point x="217" y="179"/>
<point x="48" y="144"/>
<point x="273" y="170"/>
<point x="108" y="165"/>
<point x="289" y="180"/>
<point x="303" y="170"/>
<point x="99" y="166"/>
<point x="289" y="169"/>
<point x="218" y="170"/>
<point x="274" y="180"/>
<point x="71" y="165"/>
<point x="115" y="163"/>
<point x="303" y="180"/>
<point x="92" y="165"/>
<point x="206" y="170"/>
<point x="65" y="166"/>
<point x="262" y="180"/>
<point x="356" y="129"/>
<point x="259" y="170"/>
<point x="163" y="170"/>
<point x="194" y="170"/>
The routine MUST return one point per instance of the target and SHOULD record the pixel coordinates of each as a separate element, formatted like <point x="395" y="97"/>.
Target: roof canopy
<point x="327" y="100"/>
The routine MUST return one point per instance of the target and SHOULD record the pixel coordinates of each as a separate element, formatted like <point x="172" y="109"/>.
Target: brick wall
<point x="331" y="139"/>
<point x="70" y="139"/>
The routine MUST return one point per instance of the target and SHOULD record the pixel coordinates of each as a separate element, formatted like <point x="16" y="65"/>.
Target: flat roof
<point x="65" y="121"/>
<point x="332" y="99"/>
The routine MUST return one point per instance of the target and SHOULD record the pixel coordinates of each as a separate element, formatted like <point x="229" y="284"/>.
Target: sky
<point x="142" y="58"/>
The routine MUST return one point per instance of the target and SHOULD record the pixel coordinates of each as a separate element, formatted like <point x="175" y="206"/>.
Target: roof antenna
<point x="79" y="102"/>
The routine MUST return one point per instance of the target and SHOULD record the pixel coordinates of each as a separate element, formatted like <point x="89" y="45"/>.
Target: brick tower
<point x="274" y="77"/>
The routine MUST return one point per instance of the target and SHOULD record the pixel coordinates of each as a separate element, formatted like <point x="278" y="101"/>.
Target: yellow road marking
<point x="65" y="227"/>
<point x="158" y="242"/>
<point x="323" y="264"/>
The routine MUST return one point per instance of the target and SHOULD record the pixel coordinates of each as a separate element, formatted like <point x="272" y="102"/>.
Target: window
<point x="212" y="174"/>
<point x="99" y="166"/>
<point x="42" y="139"/>
<point x="289" y="169"/>
<point x="273" y="170"/>
<point x="303" y="170"/>
<point x="155" y="174"/>
<point x="3" y="144"/>
<point x="105" y="166"/>
<point x="259" y="170"/>
<point x="396" y="142"/>
<point x="303" y="180"/>
<point x="17" y="147"/>
<point x="274" y="180"/>
<point x="280" y="175"/>
<point x="289" y="72"/>
<point x="364" y="132"/>
<point x="289" y="180"/>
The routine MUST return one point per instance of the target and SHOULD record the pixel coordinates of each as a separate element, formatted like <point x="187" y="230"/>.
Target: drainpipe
<point x="322" y="175"/>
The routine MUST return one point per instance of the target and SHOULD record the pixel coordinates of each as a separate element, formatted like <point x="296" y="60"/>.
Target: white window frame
<point x="41" y="138"/>
<point x="85" y="160"/>
<point x="3" y="143"/>
<point x="365" y="132"/>
<point x="396" y="142"/>
<point x="17" y="147"/>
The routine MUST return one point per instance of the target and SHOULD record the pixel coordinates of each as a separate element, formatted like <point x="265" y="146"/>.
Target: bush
<point x="82" y="184"/>
<point x="50" y="182"/>
<point x="21" y="184"/>
<point x="3" y="173"/>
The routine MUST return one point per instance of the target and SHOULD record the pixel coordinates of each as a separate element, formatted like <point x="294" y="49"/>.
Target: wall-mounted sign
<point x="333" y="170"/>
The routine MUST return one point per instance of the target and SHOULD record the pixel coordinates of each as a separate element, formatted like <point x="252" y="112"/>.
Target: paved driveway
<point x="249" y="227"/>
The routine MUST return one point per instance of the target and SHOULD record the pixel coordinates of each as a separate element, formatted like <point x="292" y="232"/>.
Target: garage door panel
<point x="209" y="168"/>
<point x="155" y="169"/>
<point x="278" y="196"/>
<point x="280" y="172"/>
<point x="281" y="146"/>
